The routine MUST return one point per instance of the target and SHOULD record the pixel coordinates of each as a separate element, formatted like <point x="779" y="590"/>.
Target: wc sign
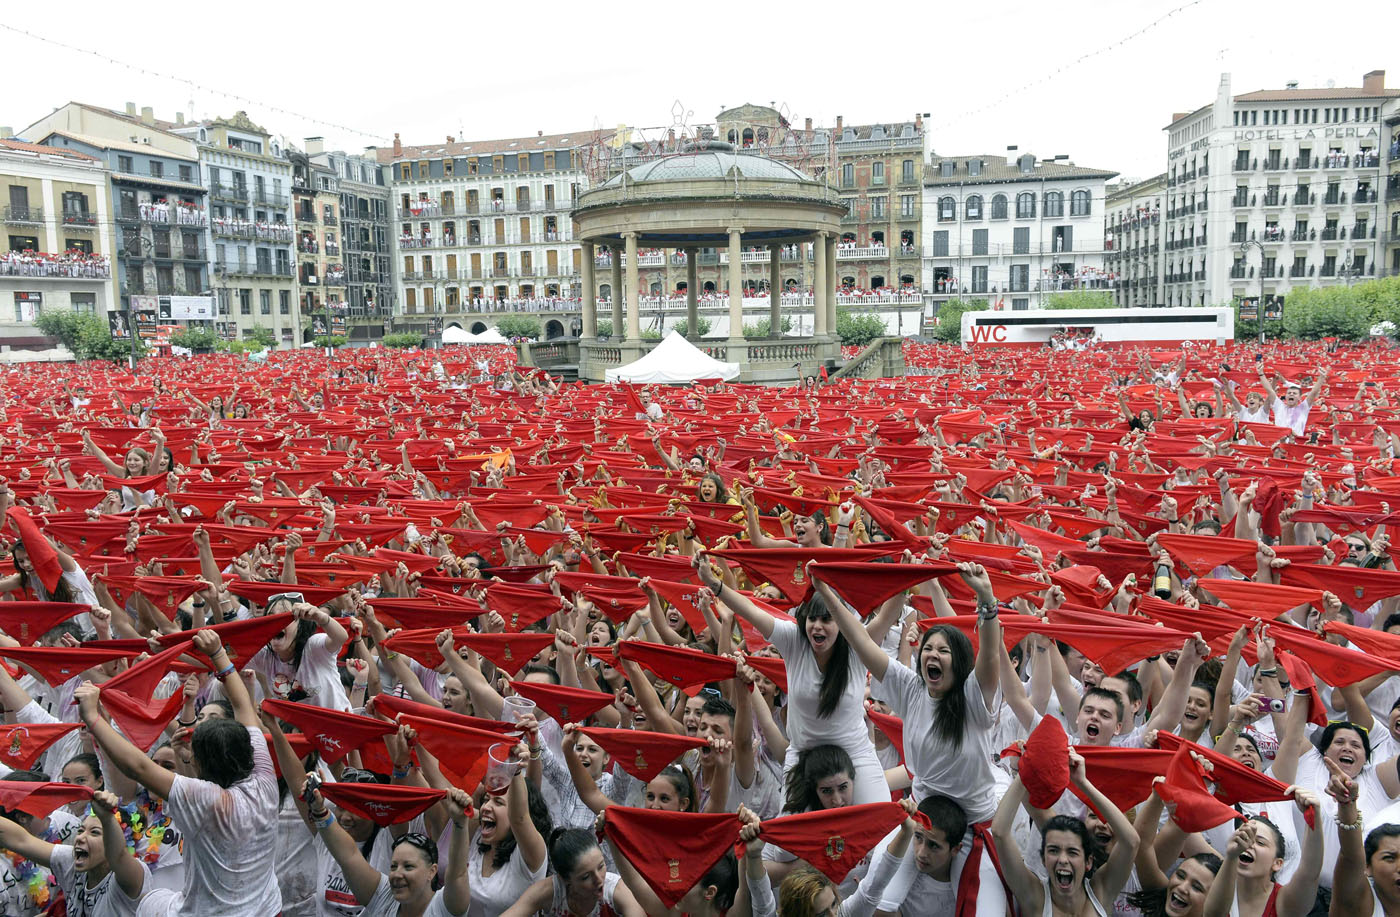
<point x="987" y="334"/>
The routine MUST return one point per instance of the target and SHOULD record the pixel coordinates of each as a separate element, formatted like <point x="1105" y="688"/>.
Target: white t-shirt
<point x="806" y="727"/>
<point x="559" y="906"/>
<point x="15" y="898"/>
<point x="333" y="892"/>
<point x="384" y="905"/>
<point x="493" y="894"/>
<point x="317" y="674"/>
<point x="1294" y="418"/>
<point x="1372" y="801"/>
<point x="105" y="899"/>
<point x="230" y="862"/>
<point x="929" y="897"/>
<point x="297" y="875"/>
<point x="963" y="772"/>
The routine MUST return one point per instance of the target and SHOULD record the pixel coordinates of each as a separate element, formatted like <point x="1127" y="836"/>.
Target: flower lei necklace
<point x="36" y="881"/>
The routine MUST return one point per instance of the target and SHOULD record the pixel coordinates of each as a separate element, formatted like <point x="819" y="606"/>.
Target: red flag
<point x="1196" y="809"/>
<point x="460" y="750"/>
<point x="866" y="585"/>
<point x="834" y="840"/>
<point x="565" y="704"/>
<point x="671" y="850"/>
<point x="27" y="621"/>
<point x="333" y="733"/>
<point x="39" y="799"/>
<point x="41" y="554"/>
<point x="241" y="639"/>
<point x="640" y="753"/>
<point x="23" y="743"/>
<point x="382" y="803"/>
<point x="681" y="666"/>
<point x="142" y="719"/>
<point x="57" y="664"/>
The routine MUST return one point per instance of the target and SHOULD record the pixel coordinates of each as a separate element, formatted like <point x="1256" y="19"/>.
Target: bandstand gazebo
<point x="718" y="198"/>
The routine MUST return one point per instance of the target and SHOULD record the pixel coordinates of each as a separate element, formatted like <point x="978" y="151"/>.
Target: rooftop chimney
<point x="539" y="133"/>
<point x="5" y="132"/>
<point x="398" y="147"/>
<point x="1291" y="84"/>
<point x="131" y="109"/>
<point x="1011" y="156"/>
<point x="809" y="125"/>
<point x="148" y="115"/>
<point x="179" y="117"/>
<point x="1374" y="81"/>
<point x="1178" y="115"/>
<point x="451" y="139"/>
<point x="315" y="146"/>
<point x="919" y="123"/>
<point x="838" y="127"/>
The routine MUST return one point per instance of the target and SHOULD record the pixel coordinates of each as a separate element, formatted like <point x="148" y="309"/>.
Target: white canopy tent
<point x="675" y="360"/>
<point x="456" y="334"/>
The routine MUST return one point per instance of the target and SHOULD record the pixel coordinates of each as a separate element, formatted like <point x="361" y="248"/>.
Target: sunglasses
<point x="422" y="842"/>
<point x="711" y="692"/>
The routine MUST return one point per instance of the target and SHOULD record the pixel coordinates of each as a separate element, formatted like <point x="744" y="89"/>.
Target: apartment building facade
<point x="1132" y="239"/>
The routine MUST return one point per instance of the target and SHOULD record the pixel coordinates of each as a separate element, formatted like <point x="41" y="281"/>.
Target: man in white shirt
<point x="1292" y="409"/>
<point x="228" y="815"/>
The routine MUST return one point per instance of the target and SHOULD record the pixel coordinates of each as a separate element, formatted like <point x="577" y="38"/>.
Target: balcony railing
<point x="271" y="199"/>
<point x="1329" y="234"/>
<point x="79" y="218"/>
<point x="1364" y="196"/>
<point x="306" y="216"/>
<point x="26" y="215"/>
<point x="230" y="192"/>
<point x="254" y="269"/>
<point x="855" y="252"/>
<point x="58" y="267"/>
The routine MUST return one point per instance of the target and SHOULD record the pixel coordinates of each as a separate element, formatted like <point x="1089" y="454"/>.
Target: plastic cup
<point x="501" y="768"/>
<point x="515" y="705"/>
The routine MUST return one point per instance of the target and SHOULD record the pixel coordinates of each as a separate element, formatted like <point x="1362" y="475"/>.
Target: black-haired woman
<point x="826" y="682"/>
<point x="410" y="889"/>
<point x="508" y="851"/>
<point x="580" y="886"/>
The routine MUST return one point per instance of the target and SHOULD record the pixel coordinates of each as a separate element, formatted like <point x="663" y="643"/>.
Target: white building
<point x="484" y="221"/>
<point x="57" y="224"/>
<point x="1011" y="229"/>
<point x="1274" y="189"/>
<point x="1132" y="240"/>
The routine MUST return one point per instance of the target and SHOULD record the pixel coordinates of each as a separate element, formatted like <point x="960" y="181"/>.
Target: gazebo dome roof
<point x="717" y="161"/>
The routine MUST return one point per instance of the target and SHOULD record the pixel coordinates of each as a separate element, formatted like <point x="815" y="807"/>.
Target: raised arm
<point x="131" y="877"/>
<point x="456" y="888"/>
<point x="129" y="759"/>
<point x="1113" y="875"/>
<point x="987" y="668"/>
<point x="1351" y="892"/>
<point x="1172" y="704"/>
<point x="1296" y="898"/>
<point x="362" y="878"/>
<point x="869" y="652"/>
<point x="762" y="621"/>
<point x="1023" y="883"/>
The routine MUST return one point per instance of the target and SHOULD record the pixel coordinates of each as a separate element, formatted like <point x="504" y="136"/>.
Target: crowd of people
<point x="262" y="230"/>
<point x="71" y="263"/>
<point x="182" y="213"/>
<point x="435" y="634"/>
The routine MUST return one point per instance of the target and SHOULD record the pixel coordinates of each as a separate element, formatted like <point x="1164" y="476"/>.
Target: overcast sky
<point x="989" y="74"/>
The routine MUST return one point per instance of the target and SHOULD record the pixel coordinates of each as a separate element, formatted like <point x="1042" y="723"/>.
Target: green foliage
<point x="236" y="346"/>
<point x="263" y="337"/>
<point x="195" y="338"/>
<point x="604" y="327"/>
<point x="651" y="334"/>
<point x="1080" y="299"/>
<point x="1341" y="311"/>
<point x="858" y="330"/>
<point x="87" y="336"/>
<point x="761" y="328"/>
<point x="519" y="326"/>
<point x="949" y="330"/>
<point x="404" y="340"/>
<point x="330" y="340"/>
<point x="682" y="327"/>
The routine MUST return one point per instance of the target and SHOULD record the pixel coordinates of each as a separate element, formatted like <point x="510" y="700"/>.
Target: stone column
<point x="617" y="328"/>
<point x="634" y="300"/>
<point x="692" y="304"/>
<point x="736" y="286"/>
<point x="819" y="290"/>
<point x="589" y="295"/>
<point x="775" y="290"/>
<point x="830" y="281"/>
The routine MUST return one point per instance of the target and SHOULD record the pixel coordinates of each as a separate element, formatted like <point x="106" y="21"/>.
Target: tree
<point x="949" y="330"/>
<point x="1081" y="299"/>
<point x="87" y="336"/>
<point x="262" y="336"/>
<point x="761" y="328"/>
<point x="519" y="326"/>
<point x="196" y="339"/>
<point x="858" y="330"/>
<point x="331" y="340"/>
<point x="651" y="334"/>
<point x="604" y="327"/>
<point x="682" y="327"/>
<point x="401" y="340"/>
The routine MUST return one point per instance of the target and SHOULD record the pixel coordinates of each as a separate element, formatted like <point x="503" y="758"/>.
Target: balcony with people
<point x="73" y="264"/>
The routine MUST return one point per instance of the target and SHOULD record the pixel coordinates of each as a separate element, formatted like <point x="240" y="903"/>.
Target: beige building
<point x="58" y="239"/>
<point x="1132" y="239"/>
<point x="321" y="275"/>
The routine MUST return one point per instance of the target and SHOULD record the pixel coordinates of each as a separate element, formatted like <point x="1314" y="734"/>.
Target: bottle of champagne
<point x="1162" y="582"/>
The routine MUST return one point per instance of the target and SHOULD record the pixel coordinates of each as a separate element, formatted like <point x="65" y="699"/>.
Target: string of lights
<point x="146" y="71"/>
<point x="1064" y="68"/>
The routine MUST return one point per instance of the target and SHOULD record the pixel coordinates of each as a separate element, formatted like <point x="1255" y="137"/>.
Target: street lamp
<point x="1259" y="309"/>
